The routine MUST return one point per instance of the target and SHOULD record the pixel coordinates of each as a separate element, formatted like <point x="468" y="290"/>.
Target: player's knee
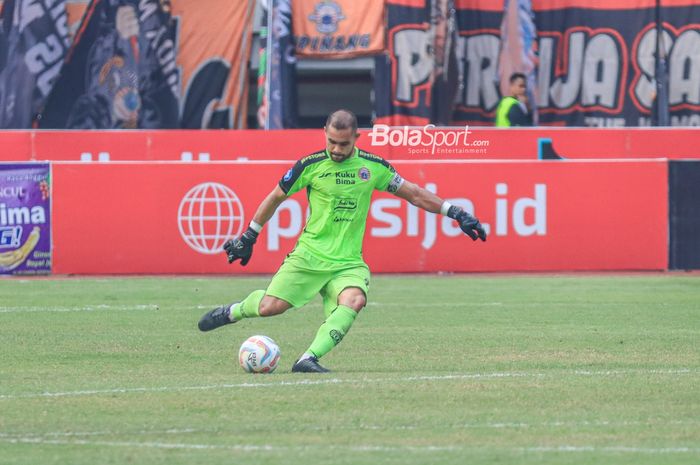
<point x="270" y="306"/>
<point x="353" y="298"/>
<point x="359" y="303"/>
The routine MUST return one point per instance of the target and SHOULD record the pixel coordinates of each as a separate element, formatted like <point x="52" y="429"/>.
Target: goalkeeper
<point x="327" y="259"/>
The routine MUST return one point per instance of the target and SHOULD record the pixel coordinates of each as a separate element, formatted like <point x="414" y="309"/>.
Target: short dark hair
<point x="342" y="119"/>
<point x="516" y="76"/>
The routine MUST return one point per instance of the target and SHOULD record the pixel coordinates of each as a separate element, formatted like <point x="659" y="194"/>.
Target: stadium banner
<point x="595" y="62"/>
<point x="597" y="66"/>
<point x="281" y="108"/>
<point x="415" y="81"/>
<point x="397" y="143"/>
<point x="337" y="28"/>
<point x="213" y="51"/>
<point x="25" y="219"/>
<point x="541" y="216"/>
<point x="120" y="72"/>
<point x="33" y="43"/>
<point x="76" y="10"/>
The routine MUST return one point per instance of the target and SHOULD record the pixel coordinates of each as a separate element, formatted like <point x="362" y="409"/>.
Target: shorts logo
<point x="288" y="175"/>
<point x="363" y="174"/>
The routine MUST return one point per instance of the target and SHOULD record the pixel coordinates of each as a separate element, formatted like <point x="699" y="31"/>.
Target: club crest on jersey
<point x="363" y="174"/>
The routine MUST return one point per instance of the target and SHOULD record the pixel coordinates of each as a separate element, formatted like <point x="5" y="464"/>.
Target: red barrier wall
<point x="484" y="144"/>
<point x="542" y="215"/>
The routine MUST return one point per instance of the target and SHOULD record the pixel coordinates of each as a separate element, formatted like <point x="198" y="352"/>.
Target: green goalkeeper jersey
<point x="339" y="198"/>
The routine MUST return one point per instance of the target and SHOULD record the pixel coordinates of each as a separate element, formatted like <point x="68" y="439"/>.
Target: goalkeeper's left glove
<point x="241" y="248"/>
<point x="467" y="223"/>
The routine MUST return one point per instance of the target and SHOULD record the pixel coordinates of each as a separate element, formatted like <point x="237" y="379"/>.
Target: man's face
<point x="340" y="143"/>
<point x="517" y="88"/>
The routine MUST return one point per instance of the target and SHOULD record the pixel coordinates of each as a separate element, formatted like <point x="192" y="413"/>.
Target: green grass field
<point x="537" y="369"/>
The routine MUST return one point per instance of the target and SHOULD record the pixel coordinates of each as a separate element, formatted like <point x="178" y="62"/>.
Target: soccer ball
<point x="259" y="354"/>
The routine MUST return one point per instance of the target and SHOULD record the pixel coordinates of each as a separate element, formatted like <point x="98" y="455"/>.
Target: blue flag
<point x="33" y="43"/>
<point x="120" y="72"/>
<point x="280" y="82"/>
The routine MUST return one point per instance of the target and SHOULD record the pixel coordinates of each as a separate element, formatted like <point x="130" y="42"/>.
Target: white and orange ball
<point x="259" y="354"/>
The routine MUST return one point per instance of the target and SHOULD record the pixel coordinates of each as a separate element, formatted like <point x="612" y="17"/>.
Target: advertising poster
<point x="25" y="219"/>
<point x="171" y="218"/>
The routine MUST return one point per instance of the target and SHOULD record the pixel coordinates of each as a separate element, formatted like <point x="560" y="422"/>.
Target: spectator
<point x="513" y="109"/>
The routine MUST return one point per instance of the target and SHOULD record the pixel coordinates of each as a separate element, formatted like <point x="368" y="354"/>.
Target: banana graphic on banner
<point x="14" y="258"/>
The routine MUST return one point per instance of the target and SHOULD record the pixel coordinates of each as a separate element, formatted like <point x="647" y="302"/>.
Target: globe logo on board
<point x="209" y="214"/>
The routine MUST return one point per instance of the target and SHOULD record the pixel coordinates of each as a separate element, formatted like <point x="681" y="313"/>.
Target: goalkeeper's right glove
<point x="467" y="223"/>
<point x="242" y="247"/>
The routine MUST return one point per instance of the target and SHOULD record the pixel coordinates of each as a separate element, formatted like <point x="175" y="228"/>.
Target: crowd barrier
<point x="118" y="202"/>
<point x="402" y="143"/>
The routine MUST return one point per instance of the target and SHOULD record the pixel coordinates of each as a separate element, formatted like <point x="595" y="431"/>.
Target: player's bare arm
<point x="419" y="197"/>
<point x="428" y="201"/>
<point x="269" y="205"/>
<point x="242" y="248"/>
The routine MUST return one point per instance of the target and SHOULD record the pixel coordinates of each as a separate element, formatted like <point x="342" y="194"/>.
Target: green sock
<point x="332" y="331"/>
<point x="248" y="307"/>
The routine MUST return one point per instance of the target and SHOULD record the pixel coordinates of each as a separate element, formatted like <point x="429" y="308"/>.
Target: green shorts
<point x="302" y="276"/>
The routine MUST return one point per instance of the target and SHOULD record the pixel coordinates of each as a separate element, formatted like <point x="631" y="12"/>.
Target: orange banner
<point x="338" y="28"/>
<point x="114" y="218"/>
<point x="213" y="53"/>
<point x="75" y="10"/>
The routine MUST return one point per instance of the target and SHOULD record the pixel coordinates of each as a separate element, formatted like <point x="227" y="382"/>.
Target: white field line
<point x="105" y="307"/>
<point x="141" y="307"/>
<point x="652" y="422"/>
<point x="61" y="434"/>
<point x="361" y="381"/>
<point x="356" y="448"/>
<point x="233" y="447"/>
<point x="614" y="449"/>
<point x="435" y="304"/>
<point x="83" y="308"/>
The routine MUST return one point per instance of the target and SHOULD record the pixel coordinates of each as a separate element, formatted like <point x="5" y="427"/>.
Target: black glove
<point x="242" y="247"/>
<point x="467" y="223"/>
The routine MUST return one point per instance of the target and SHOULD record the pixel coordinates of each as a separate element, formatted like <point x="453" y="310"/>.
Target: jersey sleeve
<point x="294" y="179"/>
<point x="388" y="180"/>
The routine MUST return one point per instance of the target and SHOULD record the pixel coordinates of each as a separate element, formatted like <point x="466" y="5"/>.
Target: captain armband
<point x="395" y="183"/>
